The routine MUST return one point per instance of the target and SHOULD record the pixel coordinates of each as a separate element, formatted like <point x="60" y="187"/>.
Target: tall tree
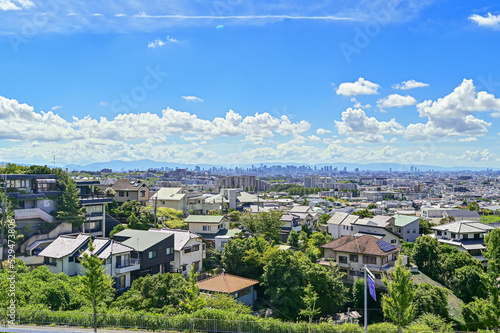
<point x="425" y="254"/>
<point x="398" y="305"/>
<point x="264" y="224"/>
<point x="68" y="203"/>
<point x="97" y="286"/>
<point x="309" y="299"/>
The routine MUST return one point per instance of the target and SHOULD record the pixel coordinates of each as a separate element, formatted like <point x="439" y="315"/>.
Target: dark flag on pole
<point x="371" y="285"/>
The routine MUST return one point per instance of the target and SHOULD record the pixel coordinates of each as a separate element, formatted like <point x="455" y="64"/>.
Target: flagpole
<point x="366" y="304"/>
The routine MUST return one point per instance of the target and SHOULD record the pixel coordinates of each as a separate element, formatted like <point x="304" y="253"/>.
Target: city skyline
<point x="234" y="82"/>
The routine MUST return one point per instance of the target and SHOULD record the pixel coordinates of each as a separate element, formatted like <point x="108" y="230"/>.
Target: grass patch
<point x="490" y="219"/>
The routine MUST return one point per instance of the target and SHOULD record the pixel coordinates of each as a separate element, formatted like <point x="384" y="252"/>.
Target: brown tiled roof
<point x="226" y="283"/>
<point x="127" y="185"/>
<point x="364" y="245"/>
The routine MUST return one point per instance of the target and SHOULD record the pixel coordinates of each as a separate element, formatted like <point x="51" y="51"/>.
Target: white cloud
<point x="192" y="99"/>
<point x="492" y="21"/>
<point x="360" y="87"/>
<point x="158" y="42"/>
<point x="322" y="131"/>
<point x="495" y="114"/>
<point x="358" y="105"/>
<point x="314" y="138"/>
<point x="469" y="139"/>
<point x="6" y="5"/>
<point x="56" y="107"/>
<point x="396" y="100"/>
<point x="360" y="128"/>
<point x="410" y="84"/>
<point x="103" y="104"/>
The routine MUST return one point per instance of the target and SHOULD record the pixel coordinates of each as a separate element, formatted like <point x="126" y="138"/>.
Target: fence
<point x="175" y="323"/>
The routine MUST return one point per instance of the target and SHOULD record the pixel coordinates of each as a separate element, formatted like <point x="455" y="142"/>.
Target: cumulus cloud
<point x="360" y="87"/>
<point x="192" y="99"/>
<point x="358" y="105"/>
<point x="358" y="127"/>
<point x="396" y="100"/>
<point x="410" y="84"/>
<point x="491" y="21"/>
<point x="322" y="131"/>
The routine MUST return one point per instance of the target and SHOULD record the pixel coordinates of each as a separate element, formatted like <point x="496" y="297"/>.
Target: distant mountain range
<point x="118" y="166"/>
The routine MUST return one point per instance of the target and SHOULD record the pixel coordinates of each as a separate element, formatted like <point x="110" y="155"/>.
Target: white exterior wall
<point x="181" y="258"/>
<point x="407" y="232"/>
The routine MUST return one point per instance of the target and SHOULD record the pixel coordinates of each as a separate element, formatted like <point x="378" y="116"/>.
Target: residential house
<point x="63" y="255"/>
<point x="189" y="250"/>
<point x="208" y="226"/>
<point x="155" y="250"/>
<point x="235" y="199"/>
<point x="177" y="198"/>
<point x="95" y="207"/>
<point x="464" y="235"/>
<point x="381" y="227"/>
<point x="352" y="253"/>
<point x="242" y="289"/>
<point x="407" y="227"/>
<point x="462" y="215"/>
<point x="129" y="190"/>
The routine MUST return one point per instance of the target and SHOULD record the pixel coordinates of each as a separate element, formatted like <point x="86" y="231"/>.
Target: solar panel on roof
<point x="384" y="246"/>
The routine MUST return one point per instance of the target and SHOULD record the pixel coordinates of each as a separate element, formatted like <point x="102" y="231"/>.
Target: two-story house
<point x="155" y="250"/>
<point x="208" y="226"/>
<point x="129" y="190"/>
<point x="465" y="236"/>
<point x="63" y="255"/>
<point x="407" y="227"/>
<point x="352" y="253"/>
<point x="95" y="207"/>
<point x="189" y="250"/>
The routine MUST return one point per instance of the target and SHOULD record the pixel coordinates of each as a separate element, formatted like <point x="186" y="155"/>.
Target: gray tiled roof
<point x="64" y="246"/>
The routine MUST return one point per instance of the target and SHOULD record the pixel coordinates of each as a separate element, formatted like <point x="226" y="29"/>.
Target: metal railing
<point x="127" y="263"/>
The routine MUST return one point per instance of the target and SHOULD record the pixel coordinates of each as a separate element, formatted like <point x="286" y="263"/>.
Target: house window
<point x="439" y="233"/>
<point x="353" y="257"/>
<point x="414" y="231"/>
<point x="242" y="293"/>
<point x="152" y="254"/>
<point x="169" y="250"/>
<point x="408" y="231"/>
<point x="384" y="260"/>
<point x="207" y="228"/>
<point x="477" y="236"/>
<point x="343" y="259"/>
<point x="121" y="194"/>
<point x="71" y="259"/>
<point x="352" y="228"/>
<point x="120" y="282"/>
<point x="393" y="241"/>
<point x="187" y="250"/>
<point x="184" y="268"/>
<point x="143" y="194"/>
<point x="195" y="248"/>
<point x="453" y="235"/>
<point x="108" y="261"/>
<point x="369" y="260"/>
<point x="465" y="236"/>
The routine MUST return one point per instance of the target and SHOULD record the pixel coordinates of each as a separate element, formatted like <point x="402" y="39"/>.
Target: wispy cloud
<point x="491" y="21"/>
<point x="245" y="17"/>
<point x="192" y="99"/>
<point x="6" y="5"/>
<point x="56" y="107"/>
<point x="410" y="84"/>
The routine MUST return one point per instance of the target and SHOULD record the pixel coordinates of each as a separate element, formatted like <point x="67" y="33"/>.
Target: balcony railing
<point x="127" y="263"/>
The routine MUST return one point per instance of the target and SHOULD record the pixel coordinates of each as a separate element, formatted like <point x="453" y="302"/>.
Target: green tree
<point x="447" y="219"/>
<point x="451" y="262"/>
<point x="473" y="205"/>
<point x="372" y="206"/>
<point x="431" y="299"/>
<point x="193" y="302"/>
<point x="466" y="283"/>
<point x="432" y="322"/>
<point x="363" y="213"/>
<point x="68" y="205"/>
<point x="245" y="257"/>
<point x="424" y="227"/>
<point x="234" y="216"/>
<point x="117" y="229"/>
<point x="293" y="239"/>
<point x="425" y="255"/>
<point x="323" y="218"/>
<point x="264" y="224"/>
<point x="399" y="305"/>
<point x="97" y="286"/>
<point x="309" y="299"/>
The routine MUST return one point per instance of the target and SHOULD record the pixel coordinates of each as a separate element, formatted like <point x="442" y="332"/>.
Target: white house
<point x="464" y="235"/>
<point x="189" y="250"/>
<point x="63" y="255"/>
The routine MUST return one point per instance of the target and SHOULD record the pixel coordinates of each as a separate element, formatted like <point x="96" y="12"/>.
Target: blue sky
<point x="234" y="81"/>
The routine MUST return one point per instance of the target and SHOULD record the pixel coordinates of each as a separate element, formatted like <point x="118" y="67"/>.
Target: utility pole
<point x="4" y="205"/>
<point x="156" y="207"/>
